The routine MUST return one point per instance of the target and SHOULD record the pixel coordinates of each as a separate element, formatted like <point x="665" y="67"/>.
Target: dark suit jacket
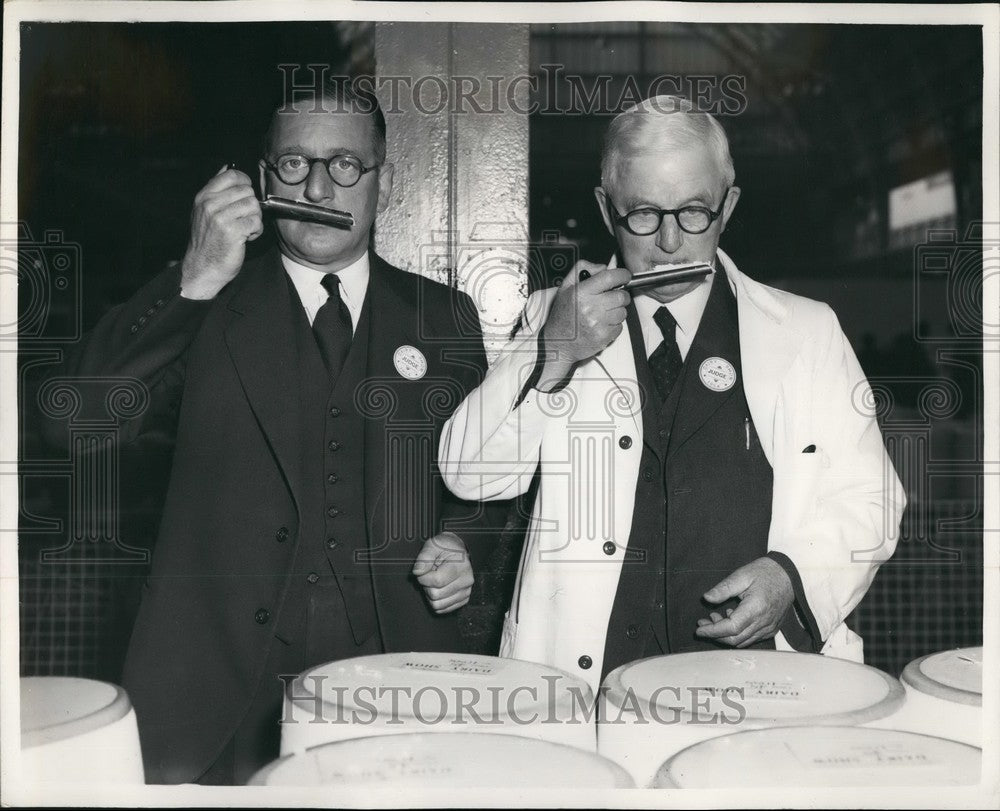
<point x="224" y="371"/>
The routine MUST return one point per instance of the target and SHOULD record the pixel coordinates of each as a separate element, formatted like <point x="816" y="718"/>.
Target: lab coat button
<point x="609" y="547"/>
<point x="585" y="662"/>
<point x="625" y="443"/>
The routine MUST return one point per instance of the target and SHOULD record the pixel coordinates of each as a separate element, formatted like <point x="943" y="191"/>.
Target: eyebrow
<point x="694" y="200"/>
<point x="298" y="149"/>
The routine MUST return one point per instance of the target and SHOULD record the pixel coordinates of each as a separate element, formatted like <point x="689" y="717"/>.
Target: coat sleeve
<point x="489" y="448"/>
<point x="478" y="524"/>
<point x="139" y="345"/>
<point x="838" y="515"/>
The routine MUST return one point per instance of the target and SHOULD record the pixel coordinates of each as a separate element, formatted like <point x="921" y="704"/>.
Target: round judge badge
<point x="410" y="362"/>
<point x="717" y="374"/>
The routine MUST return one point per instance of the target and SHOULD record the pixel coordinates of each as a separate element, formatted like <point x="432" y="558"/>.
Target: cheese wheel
<point x="445" y="761"/>
<point x="653" y="708"/>
<point x="397" y="693"/>
<point x="944" y="696"/>
<point x="821" y="756"/>
<point x="78" y="731"/>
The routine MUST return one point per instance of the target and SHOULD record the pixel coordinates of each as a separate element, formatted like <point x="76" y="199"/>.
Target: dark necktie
<point x="332" y="327"/>
<point x="665" y="363"/>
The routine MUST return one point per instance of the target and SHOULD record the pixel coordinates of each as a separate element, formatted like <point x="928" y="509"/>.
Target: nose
<point x="319" y="184"/>
<point x="670" y="236"/>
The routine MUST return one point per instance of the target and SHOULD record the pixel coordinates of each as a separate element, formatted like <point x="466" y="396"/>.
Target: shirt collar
<point x="353" y="280"/>
<point x="686" y="310"/>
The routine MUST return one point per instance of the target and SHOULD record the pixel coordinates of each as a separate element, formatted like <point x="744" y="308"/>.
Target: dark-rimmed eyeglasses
<point x="344" y="170"/>
<point x="647" y="220"/>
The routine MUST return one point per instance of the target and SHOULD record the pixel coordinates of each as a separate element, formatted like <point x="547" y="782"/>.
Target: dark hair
<point x="335" y="96"/>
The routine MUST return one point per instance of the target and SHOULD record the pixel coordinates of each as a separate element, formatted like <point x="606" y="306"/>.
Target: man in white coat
<point x="711" y="471"/>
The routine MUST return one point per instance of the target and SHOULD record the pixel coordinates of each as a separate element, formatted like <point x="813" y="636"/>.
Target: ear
<point x="604" y="206"/>
<point x="731" y="200"/>
<point x="385" y="174"/>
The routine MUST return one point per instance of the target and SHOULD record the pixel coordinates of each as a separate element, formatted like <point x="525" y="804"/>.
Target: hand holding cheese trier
<point x="579" y="330"/>
<point x="585" y="317"/>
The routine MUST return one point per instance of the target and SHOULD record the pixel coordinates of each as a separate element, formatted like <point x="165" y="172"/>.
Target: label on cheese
<point x="467" y="667"/>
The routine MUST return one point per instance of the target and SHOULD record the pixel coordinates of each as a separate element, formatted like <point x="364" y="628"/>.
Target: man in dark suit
<point x="305" y="520"/>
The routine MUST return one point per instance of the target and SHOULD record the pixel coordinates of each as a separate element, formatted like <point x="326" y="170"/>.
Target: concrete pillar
<point x="458" y="136"/>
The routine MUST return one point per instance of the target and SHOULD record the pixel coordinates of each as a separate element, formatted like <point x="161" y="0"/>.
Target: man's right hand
<point x="584" y="319"/>
<point x="226" y="215"/>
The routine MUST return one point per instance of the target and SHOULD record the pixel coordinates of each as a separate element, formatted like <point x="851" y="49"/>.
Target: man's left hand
<point x="765" y="594"/>
<point x="445" y="572"/>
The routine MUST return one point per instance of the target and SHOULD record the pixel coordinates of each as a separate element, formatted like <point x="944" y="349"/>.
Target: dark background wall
<point x="120" y="125"/>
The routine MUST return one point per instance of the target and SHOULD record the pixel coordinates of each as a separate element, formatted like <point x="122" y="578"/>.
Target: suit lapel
<point x="768" y="346"/>
<point x="261" y="342"/>
<point x="716" y="341"/>
<point x="648" y="401"/>
<point x="617" y="363"/>
<point x="392" y="324"/>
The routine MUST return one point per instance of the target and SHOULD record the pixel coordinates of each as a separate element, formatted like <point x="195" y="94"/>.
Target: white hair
<point x="662" y="124"/>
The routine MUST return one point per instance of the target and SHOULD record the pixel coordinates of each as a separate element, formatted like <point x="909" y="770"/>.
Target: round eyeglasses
<point x="344" y="170"/>
<point x="647" y="220"/>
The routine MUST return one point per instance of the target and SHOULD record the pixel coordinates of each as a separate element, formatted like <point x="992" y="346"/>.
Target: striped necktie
<point x="333" y="328"/>
<point x="665" y="363"/>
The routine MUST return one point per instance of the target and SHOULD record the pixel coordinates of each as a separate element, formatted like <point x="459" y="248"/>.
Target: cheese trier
<point x="663" y="274"/>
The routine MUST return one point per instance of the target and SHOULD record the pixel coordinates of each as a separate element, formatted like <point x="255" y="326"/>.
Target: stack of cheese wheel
<point x="813" y="757"/>
<point x="396" y="693"/>
<point x="78" y="731"/>
<point x="429" y="761"/>
<point x="944" y="696"/>
<point x="653" y="708"/>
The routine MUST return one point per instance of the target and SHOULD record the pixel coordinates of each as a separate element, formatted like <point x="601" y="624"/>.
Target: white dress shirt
<point x="686" y="310"/>
<point x="308" y="283"/>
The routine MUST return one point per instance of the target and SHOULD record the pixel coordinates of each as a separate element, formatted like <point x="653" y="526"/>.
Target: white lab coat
<point x="835" y="512"/>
